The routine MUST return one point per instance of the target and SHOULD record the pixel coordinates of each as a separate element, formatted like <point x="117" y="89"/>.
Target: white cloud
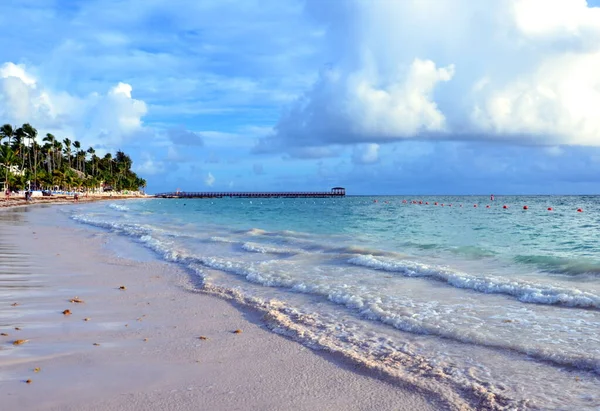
<point x="365" y="154"/>
<point x="363" y="105"/>
<point x="13" y="70"/>
<point x="149" y="166"/>
<point x="209" y="180"/>
<point x="514" y="70"/>
<point x="558" y="102"/>
<point x="105" y="119"/>
<point x="559" y="17"/>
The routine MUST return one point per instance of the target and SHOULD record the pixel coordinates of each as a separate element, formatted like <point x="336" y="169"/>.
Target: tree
<point x="57" y="153"/>
<point x="49" y="147"/>
<point x="6" y="131"/>
<point x="31" y="134"/>
<point x="77" y="146"/>
<point x="67" y="150"/>
<point x="92" y="154"/>
<point x="61" y="163"/>
<point x="7" y="158"/>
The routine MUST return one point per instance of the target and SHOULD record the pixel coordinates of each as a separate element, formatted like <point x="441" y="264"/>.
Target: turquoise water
<point x="488" y="306"/>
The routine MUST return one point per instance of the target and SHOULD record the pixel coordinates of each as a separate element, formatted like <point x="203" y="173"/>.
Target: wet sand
<point x="140" y="347"/>
<point x="19" y="200"/>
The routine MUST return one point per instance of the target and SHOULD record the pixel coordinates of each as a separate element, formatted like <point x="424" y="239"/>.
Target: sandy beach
<point x="17" y="200"/>
<point x="143" y="336"/>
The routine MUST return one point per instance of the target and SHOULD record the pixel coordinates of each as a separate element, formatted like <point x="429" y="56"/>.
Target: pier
<point x="335" y="192"/>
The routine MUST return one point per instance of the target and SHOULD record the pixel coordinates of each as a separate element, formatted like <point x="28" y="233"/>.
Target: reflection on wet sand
<point x="16" y="272"/>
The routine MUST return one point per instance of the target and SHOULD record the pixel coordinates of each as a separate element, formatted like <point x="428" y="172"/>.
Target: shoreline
<point x="19" y="201"/>
<point x="150" y="354"/>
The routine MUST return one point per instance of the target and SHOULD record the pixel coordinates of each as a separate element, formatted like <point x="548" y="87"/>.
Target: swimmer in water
<point x="492" y="197"/>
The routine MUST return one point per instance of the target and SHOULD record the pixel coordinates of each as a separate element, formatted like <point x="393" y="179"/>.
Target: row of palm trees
<point x="64" y="164"/>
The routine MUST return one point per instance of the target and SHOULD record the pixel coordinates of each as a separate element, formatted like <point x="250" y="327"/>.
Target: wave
<point x="402" y="366"/>
<point x="273" y="273"/>
<point x="119" y="207"/>
<point x="259" y="248"/>
<point x="256" y="231"/>
<point x="216" y="239"/>
<point x="524" y="291"/>
<point x="374" y="309"/>
<point x="561" y="265"/>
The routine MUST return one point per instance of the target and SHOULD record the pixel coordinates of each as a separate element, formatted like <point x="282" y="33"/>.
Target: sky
<point x="377" y="96"/>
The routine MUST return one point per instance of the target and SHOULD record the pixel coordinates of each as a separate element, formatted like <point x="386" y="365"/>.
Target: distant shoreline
<point x="19" y="200"/>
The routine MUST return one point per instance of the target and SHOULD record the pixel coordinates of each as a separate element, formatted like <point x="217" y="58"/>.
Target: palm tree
<point x="31" y="134"/>
<point x="18" y="145"/>
<point x="56" y="159"/>
<point x="58" y="153"/>
<point x="141" y="183"/>
<point x="108" y="160"/>
<point x="7" y="158"/>
<point x="6" y="131"/>
<point x="92" y="154"/>
<point x="49" y="139"/>
<point x="67" y="150"/>
<point x="77" y="146"/>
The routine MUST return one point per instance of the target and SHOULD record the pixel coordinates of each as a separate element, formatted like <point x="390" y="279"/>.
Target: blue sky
<point x="380" y="96"/>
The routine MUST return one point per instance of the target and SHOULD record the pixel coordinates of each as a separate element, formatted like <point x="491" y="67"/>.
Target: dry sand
<point x="149" y="355"/>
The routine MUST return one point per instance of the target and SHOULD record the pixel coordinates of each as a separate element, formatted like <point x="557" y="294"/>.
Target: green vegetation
<point x="60" y="164"/>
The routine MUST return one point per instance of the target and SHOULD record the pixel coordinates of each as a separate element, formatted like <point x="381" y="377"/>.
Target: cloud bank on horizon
<point x="449" y="96"/>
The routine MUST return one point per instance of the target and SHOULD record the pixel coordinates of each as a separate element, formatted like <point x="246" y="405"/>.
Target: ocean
<point x="492" y="306"/>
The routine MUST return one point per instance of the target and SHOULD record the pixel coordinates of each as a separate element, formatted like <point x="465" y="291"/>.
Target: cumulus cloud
<point x="353" y="107"/>
<point x="557" y="103"/>
<point x="96" y="118"/>
<point x="522" y="71"/>
<point x="365" y="154"/>
<point x="209" y="180"/>
<point x="149" y="165"/>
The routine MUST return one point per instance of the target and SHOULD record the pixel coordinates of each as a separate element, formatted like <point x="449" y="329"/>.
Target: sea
<point x="482" y="304"/>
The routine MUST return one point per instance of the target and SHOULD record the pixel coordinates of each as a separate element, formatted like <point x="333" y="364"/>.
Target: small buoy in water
<point x="505" y="206"/>
<point x="580" y="210"/>
<point x="549" y="208"/>
<point x="525" y="208"/>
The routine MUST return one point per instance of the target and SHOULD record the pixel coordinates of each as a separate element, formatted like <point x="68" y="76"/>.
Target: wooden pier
<point x="335" y="192"/>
